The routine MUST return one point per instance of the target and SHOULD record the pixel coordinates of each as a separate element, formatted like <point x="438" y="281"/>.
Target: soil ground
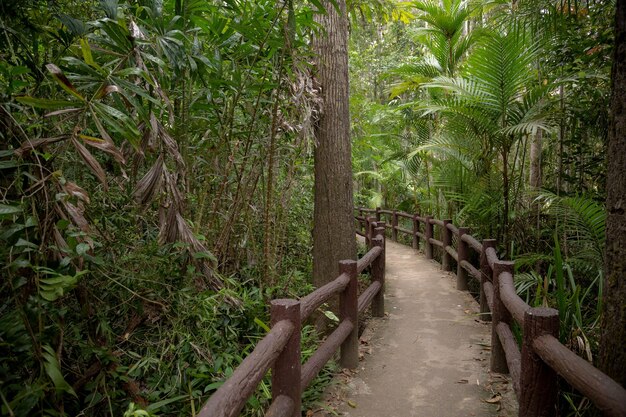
<point x="428" y="357"/>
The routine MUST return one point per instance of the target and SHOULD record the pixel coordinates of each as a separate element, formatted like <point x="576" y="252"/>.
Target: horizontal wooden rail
<point x="453" y="228"/>
<point x="471" y="270"/>
<point x="437" y="222"/>
<point x="605" y="393"/>
<point x="311" y="302"/>
<point x="233" y="395"/>
<point x="407" y="231"/>
<point x="452" y="253"/>
<point x="368" y="258"/>
<point x="492" y="256"/>
<point x="326" y="350"/>
<point x="367" y="296"/>
<point x="515" y="305"/>
<point x="470" y="240"/>
<point x="533" y="368"/>
<point x="436" y="242"/>
<point x="280" y="348"/>
<point x="513" y="355"/>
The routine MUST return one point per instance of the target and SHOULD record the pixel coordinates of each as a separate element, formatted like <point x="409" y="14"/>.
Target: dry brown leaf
<point x="91" y="162"/>
<point x="494" y="399"/>
<point x="150" y="184"/>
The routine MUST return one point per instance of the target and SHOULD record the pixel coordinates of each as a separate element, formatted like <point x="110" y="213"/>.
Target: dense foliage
<point x="495" y="114"/>
<point x="155" y="194"/>
<point x="156" y="175"/>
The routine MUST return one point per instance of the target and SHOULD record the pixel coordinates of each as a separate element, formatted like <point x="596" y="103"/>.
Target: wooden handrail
<point x="542" y="353"/>
<point x="608" y="395"/>
<point x="280" y="348"/>
<point x="230" y="398"/>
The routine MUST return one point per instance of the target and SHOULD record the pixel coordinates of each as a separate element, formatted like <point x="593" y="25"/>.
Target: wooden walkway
<point x="429" y="357"/>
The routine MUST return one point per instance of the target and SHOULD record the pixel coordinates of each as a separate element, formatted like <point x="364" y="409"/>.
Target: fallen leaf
<point x="462" y="381"/>
<point x="352" y="404"/>
<point x="494" y="400"/>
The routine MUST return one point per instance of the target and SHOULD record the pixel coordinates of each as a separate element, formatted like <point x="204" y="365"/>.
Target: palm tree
<point x="498" y="101"/>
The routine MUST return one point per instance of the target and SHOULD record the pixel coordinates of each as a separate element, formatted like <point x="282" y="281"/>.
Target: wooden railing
<point x="534" y="369"/>
<point x="280" y="348"/>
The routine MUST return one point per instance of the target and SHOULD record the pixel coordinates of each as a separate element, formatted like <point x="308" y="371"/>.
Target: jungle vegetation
<point x="157" y="163"/>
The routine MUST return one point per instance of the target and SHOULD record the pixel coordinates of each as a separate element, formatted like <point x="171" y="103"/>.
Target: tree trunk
<point x="333" y="222"/>
<point x="613" y="337"/>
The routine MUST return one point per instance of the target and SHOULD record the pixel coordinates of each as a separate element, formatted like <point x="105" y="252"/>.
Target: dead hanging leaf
<point x="66" y="84"/>
<point x="76" y="191"/>
<point x="91" y="162"/>
<point x="108" y="145"/>
<point x="150" y="184"/>
<point x="76" y="216"/>
<point x="31" y="144"/>
<point x="104" y="145"/>
<point x="106" y="90"/>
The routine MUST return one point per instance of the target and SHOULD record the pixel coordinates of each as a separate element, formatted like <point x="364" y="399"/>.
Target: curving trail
<point x="429" y="357"/>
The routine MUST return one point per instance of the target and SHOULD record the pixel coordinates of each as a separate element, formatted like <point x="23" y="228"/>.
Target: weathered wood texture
<point x="513" y="355"/>
<point x="515" y="305"/>
<point x="326" y="351"/>
<point x="230" y="398"/>
<point x="311" y="302"/>
<point x="606" y="394"/>
<point x="367" y="296"/>
<point x="282" y="406"/>
<point x="368" y="258"/>
<point x="286" y="368"/>
<point x="499" y="314"/>
<point x="348" y="312"/>
<point x="538" y="383"/>
<point x="378" y="274"/>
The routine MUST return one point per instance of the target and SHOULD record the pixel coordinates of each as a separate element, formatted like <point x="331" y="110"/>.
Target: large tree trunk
<point x="333" y="227"/>
<point x="613" y="338"/>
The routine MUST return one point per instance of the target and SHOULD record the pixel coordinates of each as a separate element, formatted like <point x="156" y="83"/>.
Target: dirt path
<point x="428" y="357"/>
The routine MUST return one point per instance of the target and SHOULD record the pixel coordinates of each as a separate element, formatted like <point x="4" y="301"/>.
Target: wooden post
<point x="368" y="231"/>
<point x="378" y="274"/>
<point x="446" y="238"/>
<point x="348" y="310"/>
<point x="428" y="232"/>
<point x="416" y="228"/>
<point x="485" y="274"/>
<point x="538" y="381"/>
<point x="377" y="214"/>
<point x="286" y="368"/>
<point x="394" y="226"/>
<point x="382" y="225"/>
<point x="499" y="314"/>
<point x="462" y="251"/>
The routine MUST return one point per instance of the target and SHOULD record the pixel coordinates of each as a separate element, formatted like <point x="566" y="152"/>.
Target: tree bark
<point x="613" y="337"/>
<point x="333" y="226"/>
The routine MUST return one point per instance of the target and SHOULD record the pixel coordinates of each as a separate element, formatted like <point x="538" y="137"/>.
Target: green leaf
<point x="53" y="370"/>
<point x="261" y="324"/>
<point x="6" y="209"/>
<point x="43" y="103"/>
<point x="82" y="249"/>
<point x="155" y="406"/>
